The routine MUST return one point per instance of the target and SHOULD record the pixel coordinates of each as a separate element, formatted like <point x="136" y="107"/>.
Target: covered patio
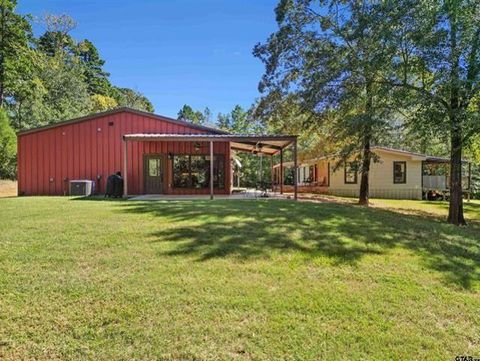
<point x="268" y="145"/>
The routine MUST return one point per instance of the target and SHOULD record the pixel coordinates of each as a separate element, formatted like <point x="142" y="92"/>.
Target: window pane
<point x="399" y="174"/>
<point x="154" y="167"/>
<point x="350" y="172"/>
<point x="311" y="177"/>
<point x="218" y="172"/>
<point x="181" y="172"/>
<point x="193" y="171"/>
<point x="200" y="171"/>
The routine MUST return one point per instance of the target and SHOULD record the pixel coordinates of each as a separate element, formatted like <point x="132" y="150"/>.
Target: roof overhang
<point x="440" y="160"/>
<point x="266" y="144"/>
<point x="400" y="152"/>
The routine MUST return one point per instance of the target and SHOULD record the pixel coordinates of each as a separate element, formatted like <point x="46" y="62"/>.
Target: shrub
<point x="8" y="148"/>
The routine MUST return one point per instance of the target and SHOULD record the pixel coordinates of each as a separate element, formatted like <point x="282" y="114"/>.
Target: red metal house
<point x="156" y="154"/>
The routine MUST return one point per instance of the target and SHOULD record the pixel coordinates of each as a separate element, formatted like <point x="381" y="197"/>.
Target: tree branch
<point x="416" y="89"/>
<point x="472" y="70"/>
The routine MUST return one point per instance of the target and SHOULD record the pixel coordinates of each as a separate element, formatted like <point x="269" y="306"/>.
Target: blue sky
<point x="196" y="52"/>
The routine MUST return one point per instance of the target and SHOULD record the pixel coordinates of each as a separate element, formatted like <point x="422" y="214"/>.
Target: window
<point x="313" y="174"/>
<point x="219" y="172"/>
<point x="350" y="173"/>
<point x="181" y="171"/>
<point x="302" y="175"/>
<point x="200" y="171"/>
<point x="305" y="175"/>
<point x="193" y="171"/>
<point x="399" y="172"/>
<point x="154" y="167"/>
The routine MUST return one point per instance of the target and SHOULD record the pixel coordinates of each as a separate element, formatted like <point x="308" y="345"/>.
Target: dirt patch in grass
<point x="8" y="188"/>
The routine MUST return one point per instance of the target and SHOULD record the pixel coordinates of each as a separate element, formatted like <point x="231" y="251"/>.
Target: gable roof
<point x="123" y="110"/>
<point x="416" y="156"/>
<point x="413" y="155"/>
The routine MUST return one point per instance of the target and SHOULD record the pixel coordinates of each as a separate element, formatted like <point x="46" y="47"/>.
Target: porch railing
<point x="441" y="182"/>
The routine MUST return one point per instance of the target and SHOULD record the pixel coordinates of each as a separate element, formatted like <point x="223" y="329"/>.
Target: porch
<point x="247" y="194"/>
<point x="436" y="177"/>
<point x="311" y="176"/>
<point x="197" y="173"/>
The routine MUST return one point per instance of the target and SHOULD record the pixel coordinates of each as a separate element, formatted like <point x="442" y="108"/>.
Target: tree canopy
<point x="15" y="35"/>
<point x="436" y="69"/>
<point x="323" y="64"/>
<point x="363" y="72"/>
<point x="54" y="77"/>
<point x="187" y="113"/>
<point x="8" y="148"/>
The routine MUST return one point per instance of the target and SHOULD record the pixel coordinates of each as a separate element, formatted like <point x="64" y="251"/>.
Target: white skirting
<point x="401" y="193"/>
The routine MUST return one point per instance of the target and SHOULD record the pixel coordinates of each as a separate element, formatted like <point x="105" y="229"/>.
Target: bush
<point x="475" y="184"/>
<point x="8" y="148"/>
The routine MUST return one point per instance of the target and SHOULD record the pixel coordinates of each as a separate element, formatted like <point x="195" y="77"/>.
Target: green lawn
<point x="426" y="208"/>
<point x="262" y="280"/>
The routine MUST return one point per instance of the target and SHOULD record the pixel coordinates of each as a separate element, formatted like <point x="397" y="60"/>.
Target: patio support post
<point x="261" y="172"/>
<point x="295" y="176"/>
<point x="281" y="171"/>
<point x="125" y="168"/>
<point x="469" y="181"/>
<point x="271" y="172"/>
<point x="211" y="170"/>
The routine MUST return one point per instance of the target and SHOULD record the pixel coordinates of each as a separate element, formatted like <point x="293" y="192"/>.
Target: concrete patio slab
<point x="170" y="197"/>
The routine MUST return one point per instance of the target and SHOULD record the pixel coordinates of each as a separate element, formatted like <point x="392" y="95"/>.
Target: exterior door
<point x="153" y="173"/>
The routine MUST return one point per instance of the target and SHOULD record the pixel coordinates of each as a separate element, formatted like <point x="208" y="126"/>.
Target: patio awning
<point x="267" y="144"/>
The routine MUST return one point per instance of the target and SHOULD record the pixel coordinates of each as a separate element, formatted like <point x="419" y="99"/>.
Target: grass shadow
<point x="343" y="233"/>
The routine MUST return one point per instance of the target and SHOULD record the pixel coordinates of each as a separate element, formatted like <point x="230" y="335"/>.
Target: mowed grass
<point x="437" y="209"/>
<point x="219" y="280"/>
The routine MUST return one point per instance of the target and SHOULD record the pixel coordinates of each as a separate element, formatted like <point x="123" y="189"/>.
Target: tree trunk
<point x="364" y="186"/>
<point x="367" y="155"/>
<point x="455" y="211"/>
<point x="19" y="114"/>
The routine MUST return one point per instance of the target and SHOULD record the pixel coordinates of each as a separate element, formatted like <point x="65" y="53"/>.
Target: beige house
<point x="395" y="174"/>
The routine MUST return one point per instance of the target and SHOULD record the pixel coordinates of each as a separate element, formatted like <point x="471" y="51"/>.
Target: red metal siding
<point x="47" y="159"/>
